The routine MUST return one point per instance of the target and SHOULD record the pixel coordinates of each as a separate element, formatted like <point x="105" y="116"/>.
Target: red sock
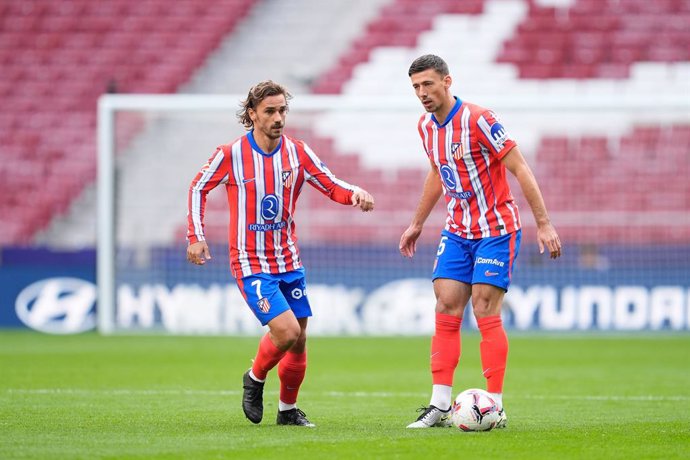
<point x="494" y="352"/>
<point x="266" y="358"/>
<point x="291" y="371"/>
<point x="445" y="349"/>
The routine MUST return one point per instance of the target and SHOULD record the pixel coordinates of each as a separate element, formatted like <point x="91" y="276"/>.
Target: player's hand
<point x="548" y="238"/>
<point x="198" y="253"/>
<point x="363" y="200"/>
<point x="408" y="240"/>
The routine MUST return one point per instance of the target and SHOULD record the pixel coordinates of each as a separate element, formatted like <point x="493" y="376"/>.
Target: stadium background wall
<point x="55" y="292"/>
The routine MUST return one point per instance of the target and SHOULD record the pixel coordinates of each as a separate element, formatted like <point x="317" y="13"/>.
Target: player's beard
<point x="271" y="132"/>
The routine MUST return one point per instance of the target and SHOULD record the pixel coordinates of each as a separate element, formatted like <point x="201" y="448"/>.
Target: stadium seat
<point x="399" y="24"/>
<point x="89" y="48"/>
<point x="598" y="34"/>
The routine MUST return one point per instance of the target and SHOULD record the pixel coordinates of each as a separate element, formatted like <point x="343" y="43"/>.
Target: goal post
<point x="150" y="147"/>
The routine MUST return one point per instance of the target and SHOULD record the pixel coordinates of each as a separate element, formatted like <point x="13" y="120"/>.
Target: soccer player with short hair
<point x="264" y="172"/>
<point x="469" y="151"/>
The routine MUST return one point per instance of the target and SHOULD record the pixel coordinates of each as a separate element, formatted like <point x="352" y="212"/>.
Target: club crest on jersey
<point x="264" y="305"/>
<point x="287" y="178"/>
<point x="456" y="150"/>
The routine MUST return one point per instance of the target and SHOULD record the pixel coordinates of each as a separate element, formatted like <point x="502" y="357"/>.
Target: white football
<point x="474" y="410"/>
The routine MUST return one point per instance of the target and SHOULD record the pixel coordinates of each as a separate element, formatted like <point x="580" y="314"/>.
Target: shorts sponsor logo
<point x="264" y="305"/>
<point x="489" y="273"/>
<point x="484" y="260"/>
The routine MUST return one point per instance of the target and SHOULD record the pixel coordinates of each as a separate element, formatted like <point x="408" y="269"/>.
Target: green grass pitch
<point x="161" y="397"/>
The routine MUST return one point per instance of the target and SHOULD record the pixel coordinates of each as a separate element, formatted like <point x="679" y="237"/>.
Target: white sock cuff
<point x="498" y="397"/>
<point x="283" y="406"/>
<point x="441" y="396"/>
<point x="254" y="377"/>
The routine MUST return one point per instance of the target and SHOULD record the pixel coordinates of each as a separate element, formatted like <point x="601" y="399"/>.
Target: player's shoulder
<point x="475" y="109"/>
<point x="424" y="119"/>
<point x="293" y="140"/>
<point x="228" y="146"/>
<point x="299" y="145"/>
<point x="478" y="111"/>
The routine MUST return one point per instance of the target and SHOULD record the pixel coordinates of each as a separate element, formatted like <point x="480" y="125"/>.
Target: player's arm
<point x="430" y="194"/>
<point x="322" y="179"/>
<point x="212" y="174"/>
<point x="546" y="233"/>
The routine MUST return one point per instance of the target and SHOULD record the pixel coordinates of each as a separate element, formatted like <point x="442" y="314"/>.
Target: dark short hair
<point x="258" y="93"/>
<point x="426" y="62"/>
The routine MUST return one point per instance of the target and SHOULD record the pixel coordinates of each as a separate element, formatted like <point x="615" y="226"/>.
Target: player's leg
<point x="268" y="304"/>
<point x="452" y="275"/>
<point x="494" y="263"/>
<point x="451" y="298"/>
<point x="493" y="348"/>
<point x="293" y="366"/>
<point x="291" y="370"/>
<point x="486" y="305"/>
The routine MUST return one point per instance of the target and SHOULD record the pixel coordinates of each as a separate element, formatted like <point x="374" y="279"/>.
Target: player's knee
<point x="300" y="344"/>
<point x="446" y="307"/>
<point x="483" y="306"/>
<point x="287" y="336"/>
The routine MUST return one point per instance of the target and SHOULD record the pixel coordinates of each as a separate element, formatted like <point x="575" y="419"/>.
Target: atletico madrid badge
<point x="456" y="150"/>
<point x="264" y="305"/>
<point x="287" y="178"/>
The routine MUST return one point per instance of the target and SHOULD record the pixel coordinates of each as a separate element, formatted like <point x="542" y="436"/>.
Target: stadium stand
<point x="399" y="24"/>
<point x="598" y="39"/>
<point x="549" y="51"/>
<point x="612" y="49"/>
<point x="624" y="176"/>
<point x="311" y="31"/>
<point x="57" y="58"/>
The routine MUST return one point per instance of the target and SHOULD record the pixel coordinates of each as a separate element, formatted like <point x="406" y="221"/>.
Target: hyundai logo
<point x="58" y="305"/>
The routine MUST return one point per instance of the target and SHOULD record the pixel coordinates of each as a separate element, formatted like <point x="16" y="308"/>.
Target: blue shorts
<point x="485" y="260"/>
<point x="269" y="295"/>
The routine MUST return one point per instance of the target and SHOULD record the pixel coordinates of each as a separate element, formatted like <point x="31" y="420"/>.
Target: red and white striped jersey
<point x="467" y="150"/>
<point x="262" y="190"/>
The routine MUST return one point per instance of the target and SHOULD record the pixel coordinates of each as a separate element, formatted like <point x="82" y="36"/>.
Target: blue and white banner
<point x="60" y="298"/>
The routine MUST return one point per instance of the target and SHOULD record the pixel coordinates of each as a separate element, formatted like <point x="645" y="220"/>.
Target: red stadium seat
<point x="603" y="38"/>
<point x="85" y="45"/>
<point x="398" y="24"/>
<point x="640" y="183"/>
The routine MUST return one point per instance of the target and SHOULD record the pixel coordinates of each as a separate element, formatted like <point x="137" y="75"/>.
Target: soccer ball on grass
<point x="474" y="410"/>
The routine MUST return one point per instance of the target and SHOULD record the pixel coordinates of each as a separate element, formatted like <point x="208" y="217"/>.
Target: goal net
<point x="614" y="174"/>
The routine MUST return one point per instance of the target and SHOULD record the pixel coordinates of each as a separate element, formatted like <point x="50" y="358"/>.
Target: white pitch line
<point x="334" y="394"/>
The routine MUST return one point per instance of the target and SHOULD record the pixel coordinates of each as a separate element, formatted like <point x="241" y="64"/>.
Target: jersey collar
<point x="255" y="146"/>
<point x="451" y="114"/>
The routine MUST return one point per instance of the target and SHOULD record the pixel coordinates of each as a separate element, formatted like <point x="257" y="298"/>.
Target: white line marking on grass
<point x="334" y="394"/>
<point x="611" y="398"/>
